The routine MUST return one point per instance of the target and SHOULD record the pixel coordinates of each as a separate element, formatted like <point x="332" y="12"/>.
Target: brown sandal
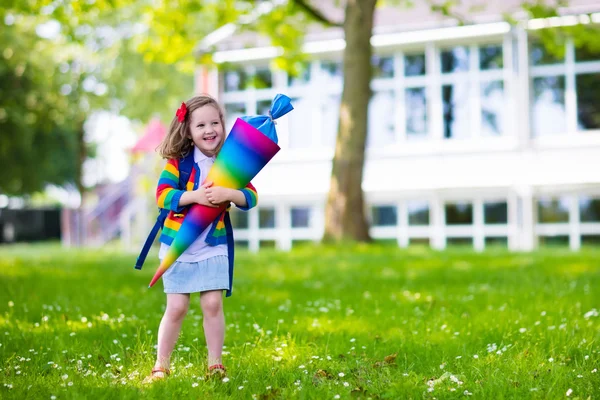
<point x="152" y="377"/>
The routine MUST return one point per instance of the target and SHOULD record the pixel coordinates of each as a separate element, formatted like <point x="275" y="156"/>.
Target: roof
<point x="154" y="134"/>
<point x="393" y="19"/>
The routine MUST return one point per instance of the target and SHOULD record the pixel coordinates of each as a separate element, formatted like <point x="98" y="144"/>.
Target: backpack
<point x="186" y="164"/>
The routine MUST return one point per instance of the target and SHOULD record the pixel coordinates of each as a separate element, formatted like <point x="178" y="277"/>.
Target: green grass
<point x="358" y="322"/>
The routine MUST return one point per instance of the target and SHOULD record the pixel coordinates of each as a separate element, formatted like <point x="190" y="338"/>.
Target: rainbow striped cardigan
<point x="168" y="194"/>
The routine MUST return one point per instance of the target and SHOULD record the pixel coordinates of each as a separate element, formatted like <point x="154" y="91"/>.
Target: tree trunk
<point x="345" y="211"/>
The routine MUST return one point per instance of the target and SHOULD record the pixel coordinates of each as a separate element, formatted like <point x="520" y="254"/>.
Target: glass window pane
<point x="549" y="115"/>
<point x="233" y="111"/>
<point x="590" y="240"/>
<point x="381" y="119"/>
<point x="384" y="216"/>
<point x="415" y="102"/>
<point x="589" y="209"/>
<point x="492" y="108"/>
<point x="331" y="115"/>
<point x="490" y="57"/>
<point x="235" y="80"/>
<point x="241" y="244"/>
<point x="266" y="217"/>
<point x="456" y="110"/>
<point x="332" y="69"/>
<point x="497" y="242"/>
<point x="540" y="55"/>
<point x="300" y="217"/>
<point x="553" y="210"/>
<point x="383" y="67"/>
<point x="460" y="213"/>
<point x="455" y="59"/>
<point x="302" y="77"/>
<point x="418" y="213"/>
<point x="588" y="101"/>
<point x="495" y="213"/>
<point x="239" y="219"/>
<point x="459" y="241"/>
<point x="584" y="53"/>
<point x="299" y="123"/>
<point x="419" y="241"/>
<point x="263" y="106"/>
<point x="554" y="241"/>
<point x="414" y="65"/>
<point x="263" y="78"/>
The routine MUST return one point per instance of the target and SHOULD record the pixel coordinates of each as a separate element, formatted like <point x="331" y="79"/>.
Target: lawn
<point x="317" y="323"/>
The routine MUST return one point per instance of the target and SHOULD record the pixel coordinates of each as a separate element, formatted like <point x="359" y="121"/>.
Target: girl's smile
<point x="206" y="129"/>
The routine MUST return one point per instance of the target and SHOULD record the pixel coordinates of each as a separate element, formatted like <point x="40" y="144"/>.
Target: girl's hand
<point x="200" y="197"/>
<point x="217" y="195"/>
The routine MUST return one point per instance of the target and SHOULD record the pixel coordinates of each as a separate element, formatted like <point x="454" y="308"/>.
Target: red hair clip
<point x="181" y="112"/>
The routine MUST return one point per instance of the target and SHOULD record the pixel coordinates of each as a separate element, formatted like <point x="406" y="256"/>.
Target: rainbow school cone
<point x="250" y="145"/>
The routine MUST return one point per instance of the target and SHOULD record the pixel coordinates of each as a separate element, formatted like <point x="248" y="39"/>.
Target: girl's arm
<point x="168" y="194"/>
<point x="170" y="197"/>
<point x="244" y="199"/>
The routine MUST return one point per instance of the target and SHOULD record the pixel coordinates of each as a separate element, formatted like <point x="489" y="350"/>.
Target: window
<point x="263" y="78"/>
<point x="460" y="213"/>
<point x="495" y="213"/>
<point x="553" y="210"/>
<point x="456" y="110"/>
<point x="381" y="119"/>
<point x="554" y="68"/>
<point x="232" y="112"/>
<point x="332" y="69"/>
<point x="236" y="79"/>
<point x="590" y="240"/>
<point x="501" y="242"/>
<point x="384" y="216"/>
<point x="492" y="108"/>
<point x="263" y="106"/>
<point x="491" y="57"/>
<point x="266" y="217"/>
<point x="584" y="53"/>
<point x="554" y="241"/>
<point x="300" y="217"/>
<point x="414" y="65"/>
<point x="418" y="213"/>
<point x="242" y="244"/>
<point x="541" y="56"/>
<point x="239" y="219"/>
<point x="301" y="78"/>
<point x="459" y="241"/>
<point x="455" y="60"/>
<point x="415" y="103"/>
<point x="549" y="115"/>
<point x="331" y="115"/>
<point x="299" y="124"/>
<point x="589" y="209"/>
<point x="383" y="67"/>
<point x="419" y="241"/>
<point x="588" y="101"/>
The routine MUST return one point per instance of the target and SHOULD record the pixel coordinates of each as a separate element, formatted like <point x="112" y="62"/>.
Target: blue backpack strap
<point x="160" y="221"/>
<point x="186" y="164"/>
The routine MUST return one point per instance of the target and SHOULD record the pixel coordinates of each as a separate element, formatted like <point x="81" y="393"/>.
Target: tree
<point x="59" y="65"/>
<point x="345" y="217"/>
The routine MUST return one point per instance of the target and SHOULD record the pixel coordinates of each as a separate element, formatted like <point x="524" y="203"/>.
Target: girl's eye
<point x="216" y="123"/>
<point x="201" y="126"/>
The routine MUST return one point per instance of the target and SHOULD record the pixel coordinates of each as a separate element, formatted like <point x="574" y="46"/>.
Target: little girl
<point x="207" y="265"/>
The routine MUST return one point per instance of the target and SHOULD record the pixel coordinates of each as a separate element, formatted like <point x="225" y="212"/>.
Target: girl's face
<point x="206" y="129"/>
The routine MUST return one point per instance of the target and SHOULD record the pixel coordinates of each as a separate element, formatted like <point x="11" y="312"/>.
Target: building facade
<point x="478" y="135"/>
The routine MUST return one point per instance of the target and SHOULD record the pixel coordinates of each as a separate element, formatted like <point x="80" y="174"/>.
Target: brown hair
<point x="177" y="143"/>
